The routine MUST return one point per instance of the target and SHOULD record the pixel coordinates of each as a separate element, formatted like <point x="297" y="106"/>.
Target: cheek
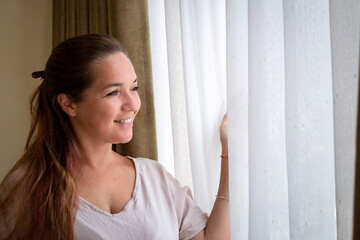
<point x="139" y="103"/>
<point x="101" y="112"/>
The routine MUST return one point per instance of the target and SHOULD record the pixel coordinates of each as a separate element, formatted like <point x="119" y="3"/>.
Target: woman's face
<point x="108" y="108"/>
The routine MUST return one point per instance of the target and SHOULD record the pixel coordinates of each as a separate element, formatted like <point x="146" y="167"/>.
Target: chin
<point x="123" y="140"/>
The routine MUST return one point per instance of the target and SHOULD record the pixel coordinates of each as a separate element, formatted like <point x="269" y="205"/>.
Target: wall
<point x="25" y="44"/>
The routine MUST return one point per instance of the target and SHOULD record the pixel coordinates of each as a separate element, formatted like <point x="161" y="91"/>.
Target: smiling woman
<point x="70" y="184"/>
<point x="112" y="102"/>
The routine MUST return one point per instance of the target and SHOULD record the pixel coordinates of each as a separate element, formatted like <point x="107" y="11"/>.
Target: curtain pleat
<point x="356" y="229"/>
<point x="82" y="21"/>
<point x="98" y="17"/>
<point x="205" y="90"/>
<point x="128" y="22"/>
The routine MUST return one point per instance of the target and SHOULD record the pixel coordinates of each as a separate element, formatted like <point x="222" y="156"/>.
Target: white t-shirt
<point x="159" y="209"/>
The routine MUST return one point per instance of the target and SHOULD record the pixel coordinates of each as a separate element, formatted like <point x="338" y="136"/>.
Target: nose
<point x="130" y="101"/>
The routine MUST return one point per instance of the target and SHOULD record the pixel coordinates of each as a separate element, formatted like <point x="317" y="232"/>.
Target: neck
<point x="96" y="157"/>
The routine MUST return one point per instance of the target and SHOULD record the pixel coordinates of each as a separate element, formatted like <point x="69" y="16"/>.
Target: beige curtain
<point x="126" y="20"/>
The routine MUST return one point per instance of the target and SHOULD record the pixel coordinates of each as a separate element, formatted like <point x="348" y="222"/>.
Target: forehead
<point x="112" y="68"/>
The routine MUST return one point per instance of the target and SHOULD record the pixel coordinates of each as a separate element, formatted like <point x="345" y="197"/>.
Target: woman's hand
<point x="224" y="135"/>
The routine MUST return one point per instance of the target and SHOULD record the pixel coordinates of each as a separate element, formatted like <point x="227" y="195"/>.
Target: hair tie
<point x="38" y="74"/>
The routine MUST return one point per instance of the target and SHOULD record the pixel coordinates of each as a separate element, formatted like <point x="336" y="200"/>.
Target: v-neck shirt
<point x="160" y="208"/>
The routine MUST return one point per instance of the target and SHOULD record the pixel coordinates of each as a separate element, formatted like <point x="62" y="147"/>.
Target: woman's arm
<point x="218" y="225"/>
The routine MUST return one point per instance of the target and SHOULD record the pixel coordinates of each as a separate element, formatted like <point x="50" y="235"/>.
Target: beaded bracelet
<point x="224" y="155"/>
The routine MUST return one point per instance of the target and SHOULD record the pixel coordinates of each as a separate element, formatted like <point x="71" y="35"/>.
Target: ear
<point x="67" y="105"/>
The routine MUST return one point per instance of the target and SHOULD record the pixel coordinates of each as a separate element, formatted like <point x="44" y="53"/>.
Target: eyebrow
<point x="116" y="84"/>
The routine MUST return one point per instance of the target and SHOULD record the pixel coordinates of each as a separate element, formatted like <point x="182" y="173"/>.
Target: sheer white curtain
<point x="292" y="84"/>
<point x="188" y="49"/>
<point x="293" y="65"/>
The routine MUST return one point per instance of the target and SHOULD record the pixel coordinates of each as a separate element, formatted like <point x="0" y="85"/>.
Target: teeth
<point x="125" y="120"/>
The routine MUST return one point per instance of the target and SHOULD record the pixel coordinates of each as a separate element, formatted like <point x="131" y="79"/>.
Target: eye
<point x="113" y="93"/>
<point x="135" y="89"/>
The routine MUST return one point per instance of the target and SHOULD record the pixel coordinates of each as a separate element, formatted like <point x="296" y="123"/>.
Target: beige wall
<point x="25" y="44"/>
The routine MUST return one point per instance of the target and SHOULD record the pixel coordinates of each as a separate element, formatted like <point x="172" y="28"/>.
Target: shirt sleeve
<point x="191" y="218"/>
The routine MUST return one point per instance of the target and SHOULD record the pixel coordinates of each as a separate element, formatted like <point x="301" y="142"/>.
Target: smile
<point x="124" y="121"/>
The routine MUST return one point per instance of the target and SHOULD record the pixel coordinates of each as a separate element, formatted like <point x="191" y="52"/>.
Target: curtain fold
<point x="268" y="176"/>
<point x="237" y="67"/>
<point x="127" y="21"/>
<point x="345" y="51"/>
<point x="356" y="228"/>
<point x="203" y="48"/>
<point x="180" y="141"/>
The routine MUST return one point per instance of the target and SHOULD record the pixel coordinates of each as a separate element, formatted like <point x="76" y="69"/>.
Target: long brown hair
<point x="38" y="197"/>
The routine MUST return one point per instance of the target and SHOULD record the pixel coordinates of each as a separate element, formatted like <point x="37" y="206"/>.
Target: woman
<point x="70" y="184"/>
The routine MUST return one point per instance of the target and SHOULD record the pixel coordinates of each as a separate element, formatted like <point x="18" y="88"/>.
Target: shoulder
<point x="152" y="172"/>
<point x="9" y="199"/>
<point x="148" y="165"/>
<point x="11" y="181"/>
